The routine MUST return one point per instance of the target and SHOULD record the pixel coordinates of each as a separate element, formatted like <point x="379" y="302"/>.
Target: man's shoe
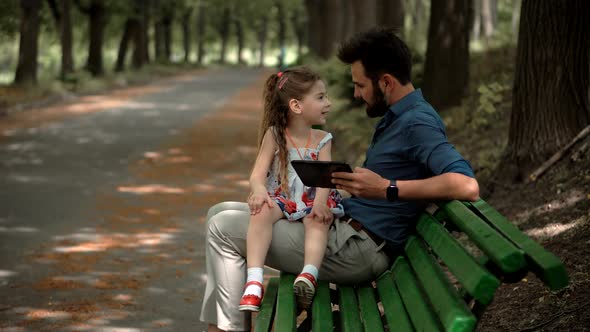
<point x="251" y="302"/>
<point x="304" y="288"/>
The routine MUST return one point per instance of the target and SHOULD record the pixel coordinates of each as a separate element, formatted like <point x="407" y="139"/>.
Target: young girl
<point x="294" y="101"/>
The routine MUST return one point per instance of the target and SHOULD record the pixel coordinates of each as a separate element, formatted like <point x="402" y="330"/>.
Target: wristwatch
<point x="392" y="191"/>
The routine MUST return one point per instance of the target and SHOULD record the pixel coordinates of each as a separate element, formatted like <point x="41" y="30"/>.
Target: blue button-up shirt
<point x="409" y="143"/>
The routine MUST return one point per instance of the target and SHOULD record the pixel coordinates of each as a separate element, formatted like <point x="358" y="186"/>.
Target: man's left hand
<point x="362" y="183"/>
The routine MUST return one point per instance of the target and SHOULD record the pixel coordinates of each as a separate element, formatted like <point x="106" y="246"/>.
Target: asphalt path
<point x="56" y="194"/>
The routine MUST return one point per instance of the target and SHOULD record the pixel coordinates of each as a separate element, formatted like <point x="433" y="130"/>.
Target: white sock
<point x="311" y="270"/>
<point x="254" y="274"/>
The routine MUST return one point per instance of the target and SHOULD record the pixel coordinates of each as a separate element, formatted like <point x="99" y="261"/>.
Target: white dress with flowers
<point x="300" y="201"/>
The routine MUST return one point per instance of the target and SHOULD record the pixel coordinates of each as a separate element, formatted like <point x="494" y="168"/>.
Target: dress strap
<point x="324" y="140"/>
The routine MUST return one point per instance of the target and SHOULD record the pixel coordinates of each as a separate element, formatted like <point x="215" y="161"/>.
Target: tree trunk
<point x="299" y="30"/>
<point x="550" y="93"/>
<point x="96" y="13"/>
<point x="129" y="31"/>
<point x="332" y="27"/>
<point x="224" y="33"/>
<point x="262" y="33"/>
<point x="201" y="26"/>
<point x="365" y="12"/>
<point x="487" y="19"/>
<point x="347" y="20"/>
<point x="241" y="39"/>
<point x="476" y="33"/>
<point x="446" y="71"/>
<point x="141" y="38"/>
<point x="26" y="69"/>
<point x="65" y="29"/>
<point x="281" y="35"/>
<point x="391" y="14"/>
<point x="314" y="25"/>
<point x="515" y="17"/>
<point x="186" y="34"/>
<point x="167" y="34"/>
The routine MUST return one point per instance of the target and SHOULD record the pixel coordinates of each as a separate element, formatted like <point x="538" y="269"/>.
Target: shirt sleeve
<point x="428" y="145"/>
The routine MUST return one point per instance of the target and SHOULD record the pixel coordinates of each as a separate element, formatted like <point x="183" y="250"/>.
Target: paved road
<point x="63" y="205"/>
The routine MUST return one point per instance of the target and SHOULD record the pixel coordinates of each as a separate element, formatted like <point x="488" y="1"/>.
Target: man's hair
<point x="381" y="52"/>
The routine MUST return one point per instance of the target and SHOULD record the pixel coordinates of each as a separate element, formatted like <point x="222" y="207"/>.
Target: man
<point x="408" y="162"/>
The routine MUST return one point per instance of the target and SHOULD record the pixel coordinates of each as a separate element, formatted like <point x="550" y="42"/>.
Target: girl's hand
<point x="322" y="213"/>
<point x="257" y="200"/>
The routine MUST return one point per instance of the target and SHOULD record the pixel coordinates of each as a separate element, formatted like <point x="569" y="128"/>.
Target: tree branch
<point x="557" y="156"/>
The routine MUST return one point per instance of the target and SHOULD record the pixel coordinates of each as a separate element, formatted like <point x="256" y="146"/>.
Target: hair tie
<point x="279" y="74"/>
<point x="282" y="82"/>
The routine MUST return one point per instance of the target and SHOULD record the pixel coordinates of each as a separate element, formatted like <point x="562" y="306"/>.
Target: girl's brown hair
<point x="293" y="83"/>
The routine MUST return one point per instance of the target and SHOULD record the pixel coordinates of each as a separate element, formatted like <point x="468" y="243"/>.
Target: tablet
<point x="314" y="173"/>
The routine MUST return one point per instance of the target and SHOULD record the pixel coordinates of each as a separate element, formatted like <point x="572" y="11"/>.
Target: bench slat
<point x="476" y="280"/>
<point x="450" y="308"/>
<point x="503" y="253"/>
<point x="349" y="310"/>
<point x="321" y="308"/>
<point x="286" y="308"/>
<point x="421" y="315"/>
<point x="543" y="263"/>
<point x="263" y="322"/>
<point x="393" y="307"/>
<point x="370" y="315"/>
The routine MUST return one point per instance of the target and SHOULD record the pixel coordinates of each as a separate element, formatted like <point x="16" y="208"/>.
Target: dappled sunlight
<point x="554" y="229"/>
<point x="104" y="242"/>
<point x="19" y="229"/>
<point x="151" y="189"/>
<point x="573" y="197"/>
<point x="28" y="178"/>
<point x="45" y="314"/>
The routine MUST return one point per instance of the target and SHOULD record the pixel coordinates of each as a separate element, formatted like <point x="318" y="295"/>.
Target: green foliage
<point x="490" y="95"/>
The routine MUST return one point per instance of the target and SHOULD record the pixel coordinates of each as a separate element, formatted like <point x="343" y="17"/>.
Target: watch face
<point x="392" y="192"/>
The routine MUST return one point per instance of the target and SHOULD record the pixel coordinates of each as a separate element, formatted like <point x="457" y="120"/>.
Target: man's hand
<point x="362" y="183"/>
<point x="256" y="200"/>
<point x="321" y="213"/>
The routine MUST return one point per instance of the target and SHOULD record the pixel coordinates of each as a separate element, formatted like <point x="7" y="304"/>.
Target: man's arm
<point x="368" y="184"/>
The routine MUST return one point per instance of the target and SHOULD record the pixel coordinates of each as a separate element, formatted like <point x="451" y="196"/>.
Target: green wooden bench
<point x="439" y="284"/>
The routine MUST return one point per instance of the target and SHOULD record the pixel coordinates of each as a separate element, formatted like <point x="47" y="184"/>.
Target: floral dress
<point x="300" y="201"/>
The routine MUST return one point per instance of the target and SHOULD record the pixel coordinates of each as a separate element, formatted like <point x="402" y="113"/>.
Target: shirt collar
<point x="407" y="101"/>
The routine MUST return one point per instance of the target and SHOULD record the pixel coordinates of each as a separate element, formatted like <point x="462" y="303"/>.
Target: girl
<point x="294" y="101"/>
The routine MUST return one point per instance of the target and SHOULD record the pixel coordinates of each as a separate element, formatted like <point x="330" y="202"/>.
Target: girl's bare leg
<point x="316" y="241"/>
<point x="260" y="234"/>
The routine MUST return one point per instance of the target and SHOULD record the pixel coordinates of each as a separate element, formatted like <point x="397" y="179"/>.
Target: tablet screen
<point x="314" y="173"/>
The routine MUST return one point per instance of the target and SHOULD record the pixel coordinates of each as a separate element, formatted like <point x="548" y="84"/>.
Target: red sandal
<point x="251" y="302"/>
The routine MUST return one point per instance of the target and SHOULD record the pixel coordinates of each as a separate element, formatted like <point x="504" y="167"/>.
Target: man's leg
<point x="220" y="303"/>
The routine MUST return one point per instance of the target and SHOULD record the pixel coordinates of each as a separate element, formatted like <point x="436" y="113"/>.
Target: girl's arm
<point x="321" y="194"/>
<point x="260" y="170"/>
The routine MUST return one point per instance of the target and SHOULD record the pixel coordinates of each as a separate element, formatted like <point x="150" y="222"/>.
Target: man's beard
<point x="379" y="106"/>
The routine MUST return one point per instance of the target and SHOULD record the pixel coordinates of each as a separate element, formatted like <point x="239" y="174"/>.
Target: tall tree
<point x="130" y="31"/>
<point x="391" y="13"/>
<point x="63" y="21"/>
<point x="315" y="24"/>
<point x="282" y="32"/>
<point x="186" y="32"/>
<point x="96" y="13"/>
<point x="26" y="69"/>
<point x="223" y="28"/>
<point x="201" y="30"/>
<point x="65" y="32"/>
<point x="365" y="14"/>
<point x="550" y="92"/>
<point x="331" y="31"/>
<point x="262" y="36"/>
<point x="446" y="70"/>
